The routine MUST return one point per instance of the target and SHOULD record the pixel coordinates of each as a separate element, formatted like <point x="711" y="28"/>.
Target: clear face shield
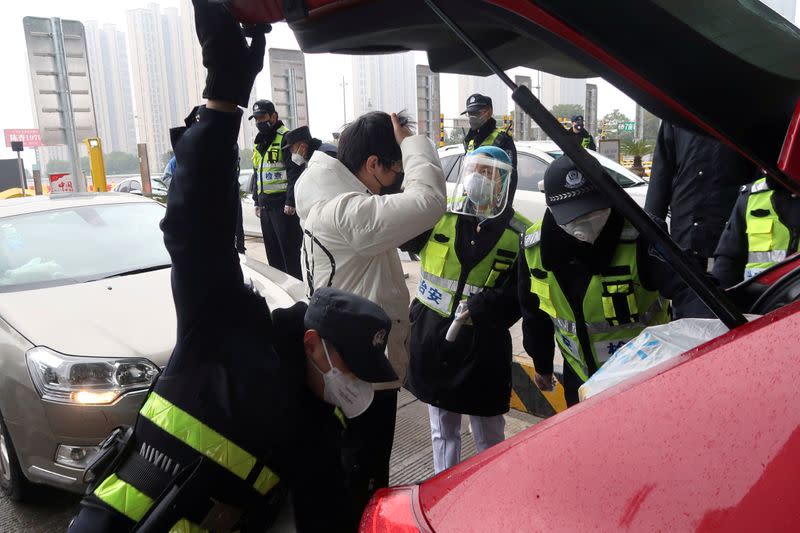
<point x="482" y="187"/>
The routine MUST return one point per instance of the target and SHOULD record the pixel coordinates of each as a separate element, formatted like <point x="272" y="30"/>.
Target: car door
<point x="252" y="224"/>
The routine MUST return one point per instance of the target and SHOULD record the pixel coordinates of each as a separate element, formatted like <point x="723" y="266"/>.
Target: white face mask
<point x="479" y="189"/>
<point x="352" y="395"/>
<point x="587" y="228"/>
<point x="298" y="159"/>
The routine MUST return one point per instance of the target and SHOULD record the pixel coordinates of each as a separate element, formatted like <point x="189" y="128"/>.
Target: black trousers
<point x="282" y="237"/>
<point x="571" y="382"/>
<point x="367" y="448"/>
<point x="240" y="231"/>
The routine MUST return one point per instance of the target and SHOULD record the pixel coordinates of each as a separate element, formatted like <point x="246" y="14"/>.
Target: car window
<point x="136" y="186"/>
<point x="530" y="171"/>
<point x="124" y="187"/>
<point x="451" y="165"/>
<point x="79" y="244"/>
<point x="245" y="181"/>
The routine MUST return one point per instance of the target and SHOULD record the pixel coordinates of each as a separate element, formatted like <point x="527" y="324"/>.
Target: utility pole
<point x="344" y="101"/>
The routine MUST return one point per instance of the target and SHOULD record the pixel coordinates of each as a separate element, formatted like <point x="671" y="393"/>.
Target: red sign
<point x="61" y="182"/>
<point x="30" y="138"/>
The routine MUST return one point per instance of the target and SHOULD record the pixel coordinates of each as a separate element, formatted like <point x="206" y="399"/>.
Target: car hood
<point x="706" y="441"/>
<point x="697" y="64"/>
<point x="127" y="316"/>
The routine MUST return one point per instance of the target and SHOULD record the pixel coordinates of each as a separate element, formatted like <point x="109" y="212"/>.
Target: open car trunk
<point x="730" y="68"/>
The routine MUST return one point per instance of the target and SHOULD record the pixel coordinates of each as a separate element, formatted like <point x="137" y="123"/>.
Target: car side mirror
<point x="540" y="185"/>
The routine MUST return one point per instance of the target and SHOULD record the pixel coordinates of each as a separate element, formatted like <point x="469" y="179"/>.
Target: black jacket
<point x="697" y="178"/>
<point x="224" y="369"/>
<point x="261" y="144"/>
<point x="582" y="135"/>
<point x="473" y="375"/>
<point x="730" y="257"/>
<point x="574" y="263"/>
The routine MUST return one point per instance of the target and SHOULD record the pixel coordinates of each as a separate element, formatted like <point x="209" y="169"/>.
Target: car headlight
<point x="86" y="380"/>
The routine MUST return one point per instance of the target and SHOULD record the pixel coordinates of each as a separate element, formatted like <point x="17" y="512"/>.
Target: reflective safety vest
<point x="270" y="167"/>
<point x="488" y="141"/>
<point x="443" y="284"/>
<point x="768" y="239"/>
<point x="616" y="307"/>
<point x="120" y="492"/>
<point x="585" y="141"/>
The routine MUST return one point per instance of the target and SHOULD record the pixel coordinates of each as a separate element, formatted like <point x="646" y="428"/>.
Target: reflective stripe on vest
<point x="441" y="272"/>
<point x="195" y="434"/>
<point x="585" y="141"/>
<point x="271" y="170"/>
<point x="768" y="239"/>
<point x="616" y="307"/>
<point x="488" y="141"/>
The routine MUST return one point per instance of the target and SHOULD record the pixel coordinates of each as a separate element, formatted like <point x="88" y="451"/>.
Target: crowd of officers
<point x="260" y="412"/>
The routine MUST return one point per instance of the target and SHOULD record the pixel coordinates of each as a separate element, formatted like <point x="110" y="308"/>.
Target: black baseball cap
<point x="476" y="102"/>
<point x="301" y="134"/>
<point x="261" y="108"/>
<point x="577" y="118"/>
<point x="568" y="193"/>
<point x="357" y="328"/>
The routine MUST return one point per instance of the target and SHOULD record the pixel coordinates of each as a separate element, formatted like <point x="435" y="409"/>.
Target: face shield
<point x="482" y="187"/>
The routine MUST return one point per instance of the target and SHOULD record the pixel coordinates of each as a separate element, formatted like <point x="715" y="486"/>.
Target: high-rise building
<point x="111" y="87"/>
<point x="556" y="90"/>
<point x="384" y="83"/>
<point x="193" y="59"/>
<point x="490" y="86"/>
<point x="175" y="60"/>
<point x="428" y="102"/>
<point x="150" y="82"/>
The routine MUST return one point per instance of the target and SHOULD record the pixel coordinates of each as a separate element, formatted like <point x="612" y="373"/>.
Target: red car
<point x="709" y="441"/>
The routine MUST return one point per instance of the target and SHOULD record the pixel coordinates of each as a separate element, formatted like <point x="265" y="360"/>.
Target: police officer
<point x="483" y="130"/>
<point x="588" y="279"/>
<point x="301" y="145"/>
<point x="274" y="176"/>
<point x="764" y="229"/>
<point x="470" y="257"/>
<point x="217" y="441"/>
<point x="582" y="137"/>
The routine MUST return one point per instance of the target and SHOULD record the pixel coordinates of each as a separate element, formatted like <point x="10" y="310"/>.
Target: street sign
<point x="626" y="126"/>
<point x="47" y="76"/>
<point x="30" y="137"/>
<point x="609" y="148"/>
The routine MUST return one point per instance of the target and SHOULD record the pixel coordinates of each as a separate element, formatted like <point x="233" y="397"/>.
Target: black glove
<point x="232" y="65"/>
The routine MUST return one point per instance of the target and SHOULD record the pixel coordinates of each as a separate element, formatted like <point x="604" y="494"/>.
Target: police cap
<point x="261" y="108"/>
<point x="568" y="193"/>
<point x="357" y="328"/>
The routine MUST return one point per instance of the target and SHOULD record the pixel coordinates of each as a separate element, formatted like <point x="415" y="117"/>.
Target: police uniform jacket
<point x="696" y="180"/>
<point x="730" y="257"/>
<point x="262" y="142"/>
<point x="574" y="263"/>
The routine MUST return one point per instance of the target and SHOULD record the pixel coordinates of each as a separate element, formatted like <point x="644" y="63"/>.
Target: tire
<point x="13" y="483"/>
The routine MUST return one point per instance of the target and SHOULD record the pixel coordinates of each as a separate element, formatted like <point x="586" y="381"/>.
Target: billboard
<point x="30" y="137"/>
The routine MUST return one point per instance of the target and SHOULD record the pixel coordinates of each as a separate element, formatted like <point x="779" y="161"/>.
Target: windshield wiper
<point x="709" y="293"/>
<point x="134" y="271"/>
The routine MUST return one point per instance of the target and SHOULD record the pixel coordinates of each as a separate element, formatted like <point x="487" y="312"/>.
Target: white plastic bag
<point x="652" y="346"/>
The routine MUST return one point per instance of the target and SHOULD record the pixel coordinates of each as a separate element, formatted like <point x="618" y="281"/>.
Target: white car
<point x="252" y="224"/>
<point x="134" y="186"/>
<point x="86" y="321"/>
<point x="533" y="158"/>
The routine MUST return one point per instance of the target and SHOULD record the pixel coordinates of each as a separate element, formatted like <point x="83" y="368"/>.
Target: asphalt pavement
<point x="50" y="510"/>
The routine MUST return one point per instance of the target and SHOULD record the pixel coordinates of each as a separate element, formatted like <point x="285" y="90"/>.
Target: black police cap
<point x="476" y="102"/>
<point x="261" y="108"/>
<point x="568" y="193"/>
<point x="357" y="328"/>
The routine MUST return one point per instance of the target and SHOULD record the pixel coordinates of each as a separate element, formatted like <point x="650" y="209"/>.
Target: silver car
<point x="87" y="321"/>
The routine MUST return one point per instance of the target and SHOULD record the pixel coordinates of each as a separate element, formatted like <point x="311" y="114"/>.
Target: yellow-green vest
<point x="441" y="272"/>
<point x="616" y="307"/>
<point x="270" y="168"/>
<point x="585" y="141"/>
<point x="127" y="499"/>
<point x="488" y="141"/>
<point x="768" y="239"/>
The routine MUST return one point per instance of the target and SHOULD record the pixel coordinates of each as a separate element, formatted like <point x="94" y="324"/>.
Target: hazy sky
<point x="324" y="71"/>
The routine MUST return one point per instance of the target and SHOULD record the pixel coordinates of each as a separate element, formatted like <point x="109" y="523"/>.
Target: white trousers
<point x="446" y="435"/>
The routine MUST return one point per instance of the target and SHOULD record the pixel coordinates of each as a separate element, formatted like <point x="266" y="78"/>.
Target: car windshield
<point x="79" y="244"/>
